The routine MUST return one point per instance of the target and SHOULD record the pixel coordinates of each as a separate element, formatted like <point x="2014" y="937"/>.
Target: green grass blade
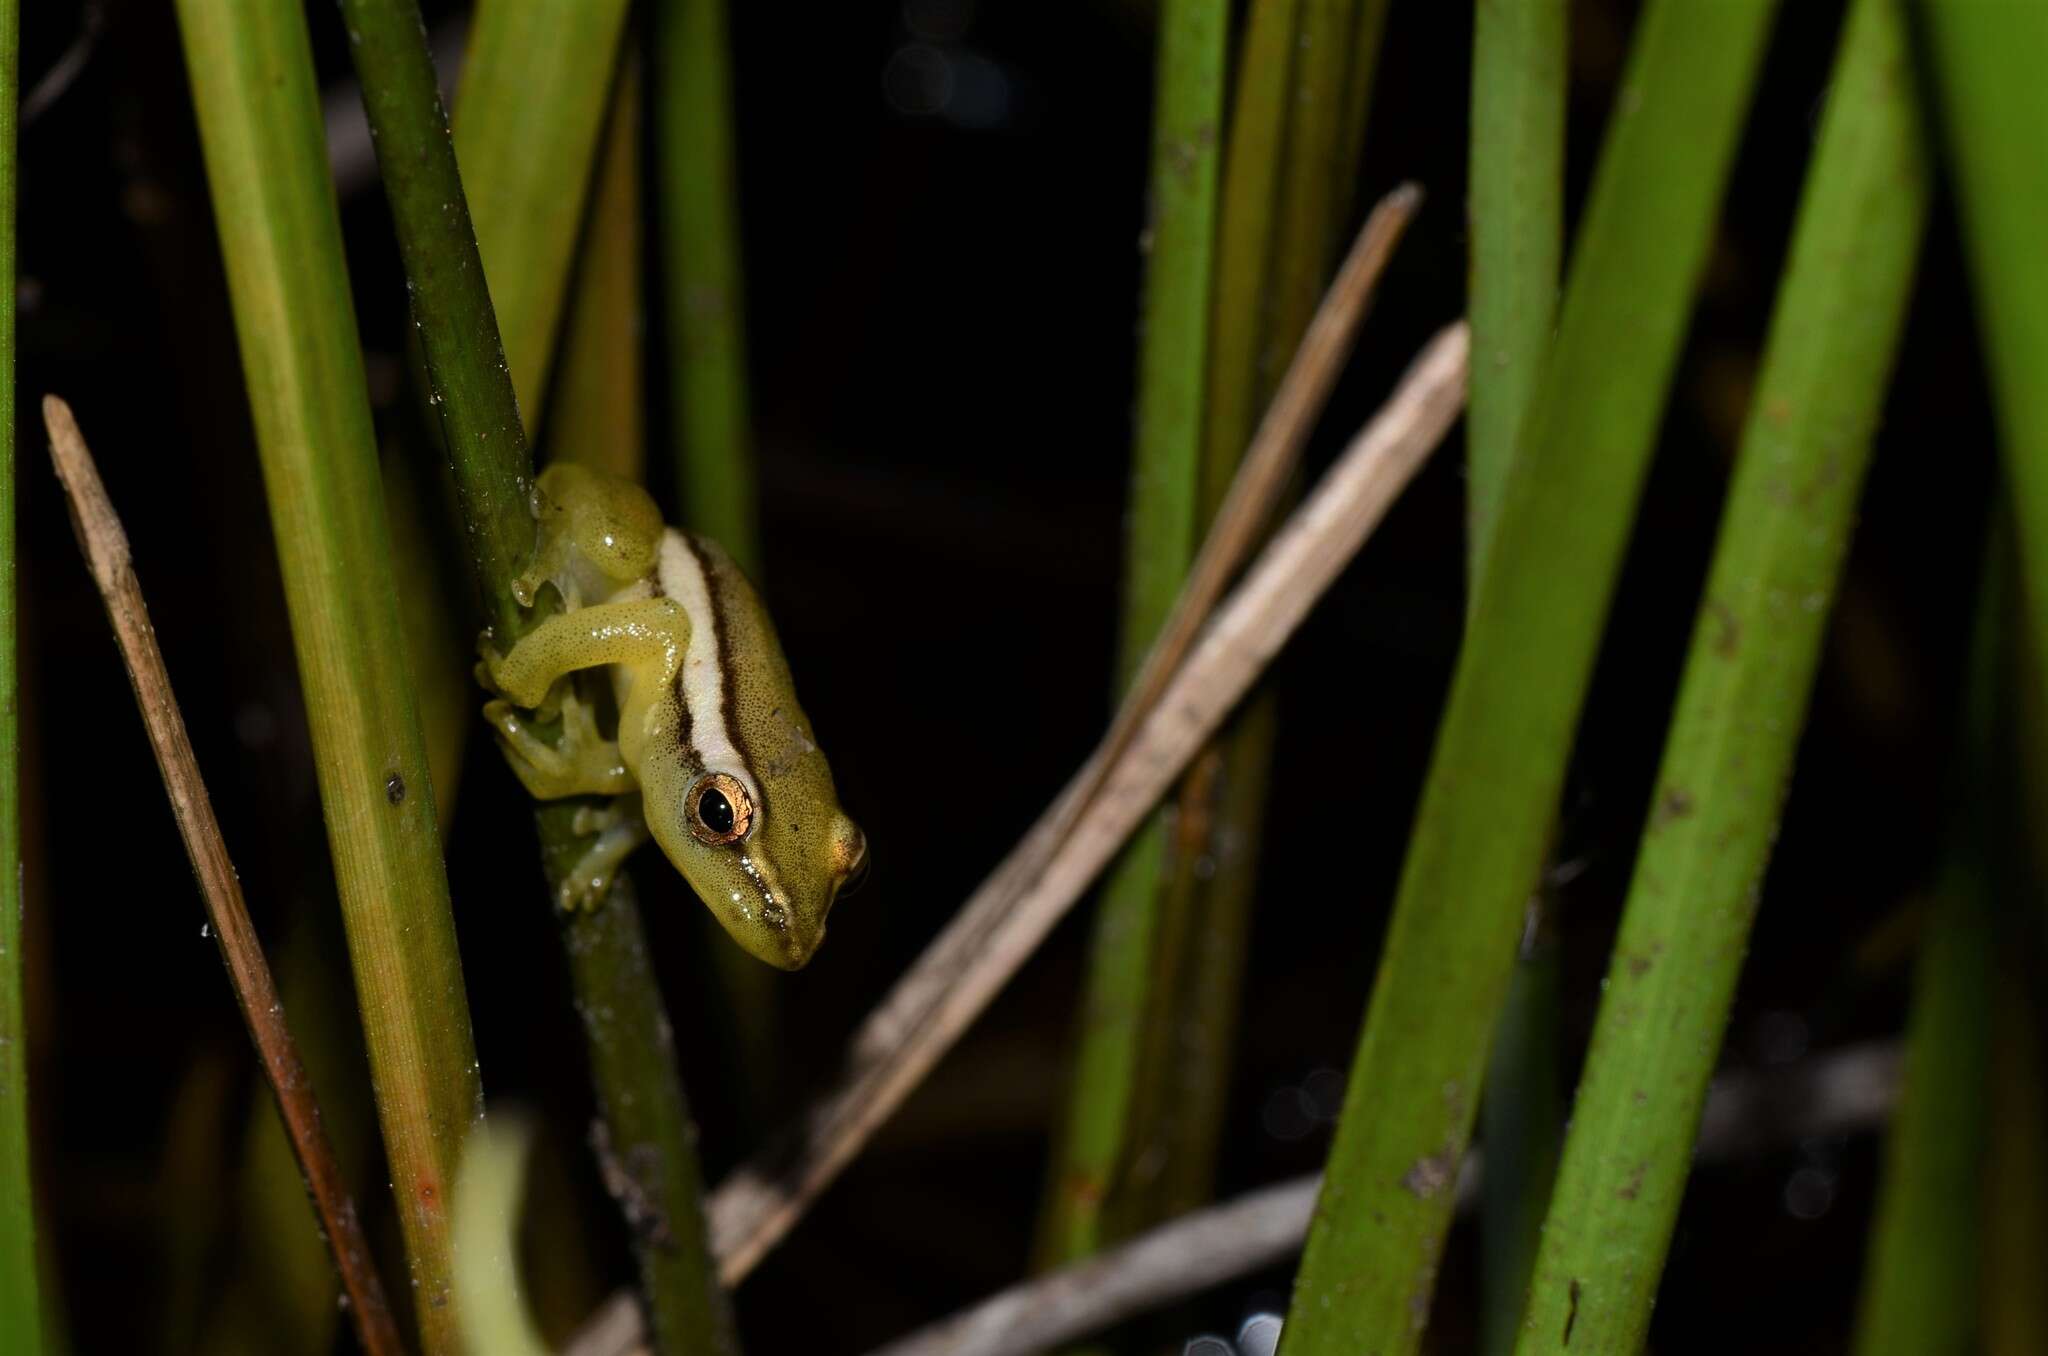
<point x="599" y="417"/>
<point x="1741" y="704"/>
<point x="1368" y="26"/>
<point x="645" y="1115"/>
<point x="1313" y="187"/>
<point x="1095" y="1142"/>
<point x="20" y="1301"/>
<point x="1920" y="1285"/>
<point x="535" y="87"/>
<point x="1483" y="823"/>
<point x="1986" y="62"/>
<point x="251" y="71"/>
<point x="704" y="292"/>
<point x="1515" y="213"/>
<point x="1516" y="218"/>
<point x="1244" y="241"/>
<point x="1213" y="857"/>
<point x="469" y="381"/>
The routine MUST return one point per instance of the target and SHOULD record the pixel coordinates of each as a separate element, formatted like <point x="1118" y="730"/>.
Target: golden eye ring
<point x="719" y="809"/>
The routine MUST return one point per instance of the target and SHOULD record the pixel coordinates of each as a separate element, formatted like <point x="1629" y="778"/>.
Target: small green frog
<point x="713" y="754"/>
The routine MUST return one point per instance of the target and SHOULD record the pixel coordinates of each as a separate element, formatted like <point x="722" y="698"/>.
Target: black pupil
<point x="715" y="810"/>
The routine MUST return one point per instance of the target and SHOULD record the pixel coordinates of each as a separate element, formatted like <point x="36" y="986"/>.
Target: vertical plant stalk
<point x="1368" y="26"/>
<point x="1483" y="823"/>
<point x="1515" y="212"/>
<point x="1920" y="1284"/>
<point x="704" y="292"/>
<point x="1741" y="704"/>
<point x="1985" y="61"/>
<point x="1213" y="857"/>
<point x="600" y="413"/>
<point x="535" y="88"/>
<point x="106" y="549"/>
<point x="251" y="72"/>
<point x="646" y="1117"/>
<point x="1096" y="1145"/>
<point x="1244" y="235"/>
<point x="21" y="1302"/>
<point x="1516" y="219"/>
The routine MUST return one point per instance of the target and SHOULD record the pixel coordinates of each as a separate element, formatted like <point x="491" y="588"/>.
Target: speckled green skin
<point x="705" y="701"/>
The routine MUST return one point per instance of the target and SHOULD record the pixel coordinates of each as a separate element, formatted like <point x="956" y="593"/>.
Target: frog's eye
<point x="719" y="809"/>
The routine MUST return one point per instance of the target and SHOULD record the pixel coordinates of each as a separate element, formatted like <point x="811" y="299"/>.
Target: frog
<point x="712" y="755"/>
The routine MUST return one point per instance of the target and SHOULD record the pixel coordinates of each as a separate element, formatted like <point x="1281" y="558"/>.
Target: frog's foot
<point x="620" y="827"/>
<point x="581" y="762"/>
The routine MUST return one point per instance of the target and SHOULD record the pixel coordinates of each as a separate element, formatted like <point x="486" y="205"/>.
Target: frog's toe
<point x="621" y="829"/>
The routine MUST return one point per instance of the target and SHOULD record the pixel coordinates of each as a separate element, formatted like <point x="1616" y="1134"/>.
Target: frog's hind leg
<point x="581" y="762"/>
<point x="620" y="827"/>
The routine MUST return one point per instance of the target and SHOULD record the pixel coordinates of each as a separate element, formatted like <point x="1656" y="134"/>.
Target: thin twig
<point x="1847" y="1091"/>
<point x="1004" y="921"/>
<point x="105" y="546"/>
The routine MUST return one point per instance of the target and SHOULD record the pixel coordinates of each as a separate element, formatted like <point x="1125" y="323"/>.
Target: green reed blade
<point x="1515" y="216"/>
<point x="1741" y="705"/>
<point x="1482" y="828"/>
<point x="1093" y="1145"/>
<point x="704" y="289"/>
<point x="536" y="83"/>
<point x="251" y="72"/>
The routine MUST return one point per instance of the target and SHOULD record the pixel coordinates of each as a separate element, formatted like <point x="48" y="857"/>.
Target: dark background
<point x="940" y="305"/>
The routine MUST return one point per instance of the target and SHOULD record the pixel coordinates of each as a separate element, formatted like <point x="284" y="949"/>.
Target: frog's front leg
<point x="647" y="635"/>
<point x="649" y="632"/>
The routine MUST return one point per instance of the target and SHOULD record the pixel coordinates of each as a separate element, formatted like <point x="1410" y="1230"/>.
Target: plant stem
<point x="536" y="83"/>
<point x="1213" y="856"/>
<point x="1484" y="819"/>
<point x="1742" y="702"/>
<point x="469" y="382"/>
<point x="1244" y="235"/>
<point x="1920" y="1283"/>
<point x="635" y="1077"/>
<point x="599" y="417"/>
<point x="1516" y="216"/>
<point x="251" y="71"/>
<point x="703" y="289"/>
<point x="20" y="1297"/>
<point x="1097" y="1139"/>
<point x="1985" y="61"/>
<point x="641" y="1124"/>
<point x="1515" y="213"/>
<point x="1368" y="26"/>
<point x="105" y="545"/>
